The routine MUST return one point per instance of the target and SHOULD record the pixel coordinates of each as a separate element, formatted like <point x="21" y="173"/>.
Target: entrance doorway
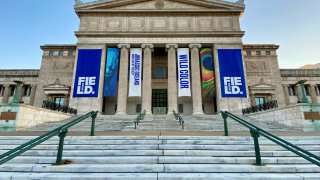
<point x="159" y="101"/>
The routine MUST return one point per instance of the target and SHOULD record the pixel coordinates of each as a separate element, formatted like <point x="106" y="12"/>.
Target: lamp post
<point x="304" y="96"/>
<point x="16" y="96"/>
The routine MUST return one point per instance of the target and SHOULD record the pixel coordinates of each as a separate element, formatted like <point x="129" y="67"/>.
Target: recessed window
<point x="27" y="90"/>
<point x="1" y="90"/>
<point x="307" y="89"/>
<point x="248" y="53"/>
<point x="292" y="90"/>
<point x="60" y="53"/>
<point x="180" y="108"/>
<point x="51" y="53"/>
<point x="12" y="90"/>
<point x="318" y="90"/>
<point x="268" y="53"/>
<point x="70" y="53"/>
<point x="258" y="53"/>
<point x="259" y="100"/>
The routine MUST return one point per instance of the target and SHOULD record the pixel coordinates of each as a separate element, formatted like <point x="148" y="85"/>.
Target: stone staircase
<point x="159" y="157"/>
<point x="163" y="123"/>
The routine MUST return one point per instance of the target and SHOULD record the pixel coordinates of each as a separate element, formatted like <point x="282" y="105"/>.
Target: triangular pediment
<point x="164" y="5"/>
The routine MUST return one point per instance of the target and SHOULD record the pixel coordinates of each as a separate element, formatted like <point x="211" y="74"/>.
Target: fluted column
<point x="123" y="79"/>
<point x="32" y="94"/>
<point x="196" y="79"/>
<point x="286" y="94"/>
<point x="313" y="94"/>
<point x="172" y="78"/>
<point x="6" y="93"/>
<point x="147" y="78"/>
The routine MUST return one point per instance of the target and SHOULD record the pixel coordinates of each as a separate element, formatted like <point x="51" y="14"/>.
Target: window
<point x="60" y="53"/>
<point x="138" y="108"/>
<point x="318" y="90"/>
<point x="180" y="108"/>
<point x="12" y="89"/>
<point x="292" y="90"/>
<point x="307" y="89"/>
<point x="1" y="90"/>
<point x="259" y="100"/>
<point x="27" y="90"/>
<point x="268" y="53"/>
<point x="248" y="53"/>
<point x="59" y="100"/>
<point x="51" y="53"/>
<point x="70" y="53"/>
<point x="258" y="53"/>
<point x="160" y="72"/>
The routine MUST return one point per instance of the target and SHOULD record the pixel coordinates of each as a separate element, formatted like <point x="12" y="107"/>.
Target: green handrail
<point x="179" y="118"/>
<point x="60" y="131"/>
<point x="140" y="117"/>
<point x="256" y="132"/>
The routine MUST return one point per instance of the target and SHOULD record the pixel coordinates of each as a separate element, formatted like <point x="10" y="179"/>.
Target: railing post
<point x="61" y="135"/>
<point x="93" y="117"/>
<point x="225" y="116"/>
<point x="255" y="135"/>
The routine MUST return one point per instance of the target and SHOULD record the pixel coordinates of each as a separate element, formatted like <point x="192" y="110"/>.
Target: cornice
<point x="160" y="34"/>
<point x="79" y="4"/>
<point x="260" y="46"/>
<point x="58" y="46"/>
<point x="19" y="72"/>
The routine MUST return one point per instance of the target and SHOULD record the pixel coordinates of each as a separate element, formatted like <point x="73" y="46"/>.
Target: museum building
<point x="160" y="56"/>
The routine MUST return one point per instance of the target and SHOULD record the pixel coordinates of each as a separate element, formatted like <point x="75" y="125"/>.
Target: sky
<point x="28" y="24"/>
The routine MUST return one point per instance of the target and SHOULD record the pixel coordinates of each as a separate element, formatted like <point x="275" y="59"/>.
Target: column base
<point x="198" y="113"/>
<point x="148" y="112"/>
<point x="121" y="113"/>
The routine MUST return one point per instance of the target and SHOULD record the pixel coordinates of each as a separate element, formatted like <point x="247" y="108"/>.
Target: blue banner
<point x="88" y="73"/>
<point x="111" y="76"/>
<point x="232" y="77"/>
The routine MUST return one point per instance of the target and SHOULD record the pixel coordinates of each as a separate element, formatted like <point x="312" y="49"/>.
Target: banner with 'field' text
<point x="87" y="77"/>
<point x="232" y="76"/>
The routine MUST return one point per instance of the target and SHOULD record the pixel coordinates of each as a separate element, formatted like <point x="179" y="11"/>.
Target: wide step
<point x="159" y="157"/>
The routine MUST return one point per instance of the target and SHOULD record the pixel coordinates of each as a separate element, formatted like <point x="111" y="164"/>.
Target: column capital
<point x="285" y="85"/>
<point x="150" y="46"/>
<point x="192" y="46"/>
<point x="127" y="46"/>
<point x="168" y="46"/>
<point x="6" y="85"/>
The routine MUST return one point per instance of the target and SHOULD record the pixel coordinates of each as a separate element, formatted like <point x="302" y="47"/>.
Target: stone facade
<point x="7" y="86"/>
<point x="159" y="27"/>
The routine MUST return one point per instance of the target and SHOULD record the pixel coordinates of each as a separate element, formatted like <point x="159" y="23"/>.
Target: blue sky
<point x="27" y="24"/>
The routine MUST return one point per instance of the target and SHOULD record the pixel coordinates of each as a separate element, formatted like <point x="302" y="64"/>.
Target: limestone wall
<point x="292" y="116"/>
<point x="30" y="116"/>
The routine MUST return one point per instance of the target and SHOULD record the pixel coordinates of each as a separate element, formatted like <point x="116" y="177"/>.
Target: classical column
<point x="172" y="78"/>
<point x="196" y="79"/>
<point x="286" y="94"/>
<point x="299" y="92"/>
<point x="6" y="93"/>
<point x="313" y="94"/>
<point x="32" y="94"/>
<point x="147" y="78"/>
<point x="123" y="79"/>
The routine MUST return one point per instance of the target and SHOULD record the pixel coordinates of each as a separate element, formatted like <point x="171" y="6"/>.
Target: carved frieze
<point x="257" y="66"/>
<point x="139" y="23"/>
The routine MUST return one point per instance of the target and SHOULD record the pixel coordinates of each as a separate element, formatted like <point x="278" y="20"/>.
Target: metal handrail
<point x="140" y="117"/>
<point x="261" y="107"/>
<point x="256" y="132"/>
<point x="60" y="131"/>
<point x="179" y="118"/>
<point x="58" y="107"/>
